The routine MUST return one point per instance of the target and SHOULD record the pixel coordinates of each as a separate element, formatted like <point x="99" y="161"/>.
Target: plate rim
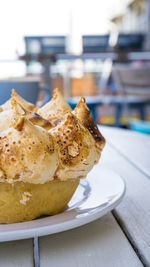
<point x="40" y="231"/>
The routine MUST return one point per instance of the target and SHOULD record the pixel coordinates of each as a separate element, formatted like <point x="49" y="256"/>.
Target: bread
<point x="43" y="155"/>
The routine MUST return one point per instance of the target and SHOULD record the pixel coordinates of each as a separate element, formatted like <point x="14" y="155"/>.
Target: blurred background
<point x="98" y="49"/>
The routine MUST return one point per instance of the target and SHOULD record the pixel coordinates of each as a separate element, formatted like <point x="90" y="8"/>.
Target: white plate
<point x="99" y="193"/>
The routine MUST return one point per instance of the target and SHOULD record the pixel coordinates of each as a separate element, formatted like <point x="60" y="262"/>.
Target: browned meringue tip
<point x="13" y="102"/>
<point x="17" y="107"/>
<point x="20" y="100"/>
<point x="55" y="109"/>
<point x="32" y="116"/>
<point x="56" y="91"/>
<point x="13" y="93"/>
<point x="82" y="112"/>
<point x="82" y="99"/>
<point x="56" y="94"/>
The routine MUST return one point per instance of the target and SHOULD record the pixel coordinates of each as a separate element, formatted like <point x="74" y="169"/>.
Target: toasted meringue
<point x="76" y="148"/>
<point x="25" y="104"/>
<point x="6" y="105"/>
<point x="82" y="112"/>
<point x="55" y="109"/>
<point x="27" y="153"/>
<point x="8" y="115"/>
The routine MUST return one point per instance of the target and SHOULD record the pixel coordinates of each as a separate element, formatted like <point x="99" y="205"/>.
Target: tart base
<point x="24" y="201"/>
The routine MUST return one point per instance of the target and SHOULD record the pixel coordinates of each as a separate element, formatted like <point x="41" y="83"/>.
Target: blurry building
<point x="134" y="18"/>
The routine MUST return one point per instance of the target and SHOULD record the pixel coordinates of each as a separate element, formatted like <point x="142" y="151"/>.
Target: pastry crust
<point x="25" y="201"/>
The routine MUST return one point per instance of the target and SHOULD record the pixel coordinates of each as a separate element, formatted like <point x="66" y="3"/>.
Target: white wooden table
<point x="120" y="238"/>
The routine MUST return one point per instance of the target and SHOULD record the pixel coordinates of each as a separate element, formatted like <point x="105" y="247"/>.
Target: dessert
<point x="43" y="155"/>
<point x="55" y="109"/>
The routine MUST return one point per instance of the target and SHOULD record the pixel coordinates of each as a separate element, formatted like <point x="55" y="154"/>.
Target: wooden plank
<point x="16" y="253"/>
<point x="100" y="243"/>
<point x="135" y="146"/>
<point x="133" y="213"/>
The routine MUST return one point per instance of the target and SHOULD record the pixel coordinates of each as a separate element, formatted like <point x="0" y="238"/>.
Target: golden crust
<point x="82" y="112"/>
<point x="26" y="201"/>
<point x="55" y="110"/>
